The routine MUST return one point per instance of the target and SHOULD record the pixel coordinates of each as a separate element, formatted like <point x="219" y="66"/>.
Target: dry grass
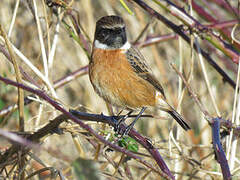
<point x="189" y="155"/>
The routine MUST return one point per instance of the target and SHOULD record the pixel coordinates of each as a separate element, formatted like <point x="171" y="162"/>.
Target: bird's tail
<point x="163" y="105"/>
<point x="179" y="119"/>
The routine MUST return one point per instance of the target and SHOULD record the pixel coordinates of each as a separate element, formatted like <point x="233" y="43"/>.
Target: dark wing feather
<point x="139" y="65"/>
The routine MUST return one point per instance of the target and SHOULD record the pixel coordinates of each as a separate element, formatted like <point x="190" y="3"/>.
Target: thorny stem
<point x="57" y="84"/>
<point x="197" y="27"/>
<point x="218" y="149"/>
<point x="144" y="141"/>
<point x="215" y="125"/>
<point x="179" y="31"/>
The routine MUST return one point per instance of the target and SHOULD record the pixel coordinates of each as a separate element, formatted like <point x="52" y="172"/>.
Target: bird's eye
<point x="104" y="31"/>
<point x="118" y="30"/>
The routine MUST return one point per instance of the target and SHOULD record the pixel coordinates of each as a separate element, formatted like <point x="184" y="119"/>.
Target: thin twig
<point x="145" y="142"/>
<point x="195" y="97"/>
<point x="215" y="124"/>
<point x="202" y="12"/>
<point x="47" y="27"/>
<point x="179" y="31"/>
<point x="19" y="80"/>
<point x="232" y="143"/>
<point x="57" y="84"/>
<point x="21" y="161"/>
<point x="40" y="35"/>
<point x="13" y="18"/>
<point x="206" y="77"/>
<point x="195" y="25"/>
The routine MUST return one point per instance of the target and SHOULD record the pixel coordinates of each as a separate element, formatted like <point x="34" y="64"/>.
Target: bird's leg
<point x="120" y="112"/>
<point x="134" y="121"/>
<point x="116" y="128"/>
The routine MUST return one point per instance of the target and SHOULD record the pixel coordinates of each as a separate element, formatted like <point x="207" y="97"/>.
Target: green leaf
<point x="129" y="143"/>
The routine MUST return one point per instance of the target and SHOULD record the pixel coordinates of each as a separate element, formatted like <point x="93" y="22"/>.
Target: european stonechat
<point x="119" y="73"/>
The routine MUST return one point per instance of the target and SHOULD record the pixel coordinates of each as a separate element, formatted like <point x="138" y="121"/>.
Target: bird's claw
<point x="122" y="131"/>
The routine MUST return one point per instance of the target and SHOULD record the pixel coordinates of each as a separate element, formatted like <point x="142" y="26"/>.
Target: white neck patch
<point x="100" y="45"/>
<point x="126" y="46"/>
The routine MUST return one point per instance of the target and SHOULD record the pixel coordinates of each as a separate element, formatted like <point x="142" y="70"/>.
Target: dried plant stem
<point x="57" y="84"/>
<point x="20" y="97"/>
<point x="195" y="98"/>
<point x="144" y="141"/>
<point x="215" y="125"/>
<point x="191" y="22"/>
<point x="54" y="45"/>
<point x="55" y="37"/>
<point x="19" y="80"/>
<point x="232" y="142"/>
<point x="179" y="132"/>
<point x="118" y="164"/>
<point x="179" y="31"/>
<point x="13" y="18"/>
<point x="78" y="146"/>
<point x="47" y="26"/>
<point x="206" y="77"/>
<point x="55" y="40"/>
<point x="40" y="111"/>
<point x="35" y="70"/>
<point x="40" y="36"/>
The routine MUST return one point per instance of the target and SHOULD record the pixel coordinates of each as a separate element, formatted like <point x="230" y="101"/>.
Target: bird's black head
<point x="110" y="33"/>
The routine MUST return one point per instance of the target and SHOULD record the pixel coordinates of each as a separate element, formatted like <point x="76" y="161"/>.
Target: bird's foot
<point x="122" y="131"/>
<point x="117" y="127"/>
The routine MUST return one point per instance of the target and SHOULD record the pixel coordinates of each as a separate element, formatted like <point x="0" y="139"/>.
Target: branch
<point x="218" y="149"/>
<point x="215" y="125"/>
<point x="145" y="142"/>
<point x="179" y="31"/>
<point x="57" y="84"/>
<point x="196" y="26"/>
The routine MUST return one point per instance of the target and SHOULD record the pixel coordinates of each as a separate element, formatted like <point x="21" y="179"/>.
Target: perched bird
<point x="120" y="75"/>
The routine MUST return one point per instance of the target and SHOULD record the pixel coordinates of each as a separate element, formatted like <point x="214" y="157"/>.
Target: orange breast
<point x="115" y="81"/>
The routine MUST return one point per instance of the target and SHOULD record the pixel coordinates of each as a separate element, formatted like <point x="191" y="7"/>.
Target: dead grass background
<point x="60" y="151"/>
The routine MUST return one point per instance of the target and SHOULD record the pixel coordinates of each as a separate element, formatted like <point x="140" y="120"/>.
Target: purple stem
<point x="219" y="152"/>
<point x="18" y="139"/>
<point x="179" y="31"/>
<point x="227" y="6"/>
<point x="59" y="107"/>
<point x="156" y="39"/>
<point x="202" y="12"/>
<point x="225" y="46"/>
<point x="66" y="79"/>
<point x="111" y="120"/>
<point x="152" y="150"/>
<point x="223" y="24"/>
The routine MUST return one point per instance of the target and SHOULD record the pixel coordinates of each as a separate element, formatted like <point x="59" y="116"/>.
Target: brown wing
<point x="139" y="65"/>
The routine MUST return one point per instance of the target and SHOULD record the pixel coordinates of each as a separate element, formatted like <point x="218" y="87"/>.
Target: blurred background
<point x="189" y="155"/>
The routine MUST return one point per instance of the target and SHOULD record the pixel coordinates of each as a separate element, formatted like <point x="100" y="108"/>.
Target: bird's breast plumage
<point x="116" y="82"/>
